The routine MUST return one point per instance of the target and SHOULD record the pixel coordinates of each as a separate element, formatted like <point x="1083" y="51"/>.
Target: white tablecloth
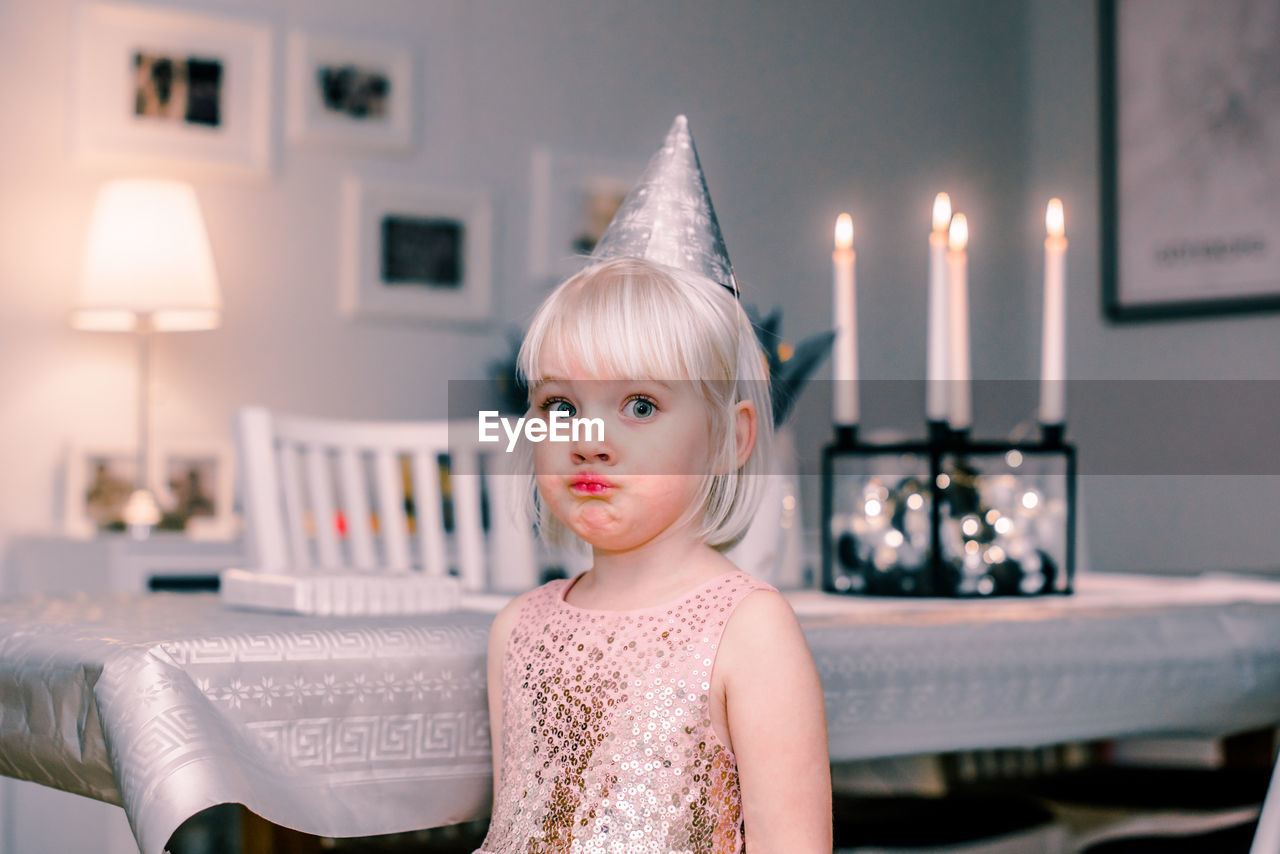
<point x="168" y="704"/>
<point x="1126" y="655"/>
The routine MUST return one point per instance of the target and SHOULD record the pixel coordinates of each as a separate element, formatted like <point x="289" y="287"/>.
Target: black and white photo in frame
<point x="349" y="94"/>
<point x="1190" y="157"/>
<point x="97" y="482"/>
<point x="156" y="87"/>
<point x="415" y="253"/>
<point x="196" y="488"/>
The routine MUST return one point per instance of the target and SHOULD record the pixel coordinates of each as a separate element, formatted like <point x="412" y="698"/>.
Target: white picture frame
<point x="197" y="479"/>
<point x="573" y="199"/>
<point x="415" y="253"/>
<point x="159" y="88"/>
<point x="98" y="480"/>
<point x="349" y="94"/>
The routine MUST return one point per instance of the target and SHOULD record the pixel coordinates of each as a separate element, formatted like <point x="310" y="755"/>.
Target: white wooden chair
<point x="363" y="502"/>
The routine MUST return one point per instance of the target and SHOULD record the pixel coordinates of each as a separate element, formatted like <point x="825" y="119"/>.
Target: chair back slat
<point x="428" y="511"/>
<point x="468" y="531"/>
<point x="262" y="490"/>
<point x="391" y="510"/>
<point x="355" y="508"/>
<point x="323" y="510"/>
<point x="295" y="510"/>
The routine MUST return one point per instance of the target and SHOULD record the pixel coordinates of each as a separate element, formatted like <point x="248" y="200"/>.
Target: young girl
<point x="663" y="700"/>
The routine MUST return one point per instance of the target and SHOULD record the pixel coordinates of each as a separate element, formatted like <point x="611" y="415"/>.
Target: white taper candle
<point x="936" y="395"/>
<point x="845" y="399"/>
<point x="961" y="408"/>
<point x="1053" y="352"/>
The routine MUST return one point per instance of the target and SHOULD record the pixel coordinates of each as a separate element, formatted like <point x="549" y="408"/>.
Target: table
<point x="167" y="704"/>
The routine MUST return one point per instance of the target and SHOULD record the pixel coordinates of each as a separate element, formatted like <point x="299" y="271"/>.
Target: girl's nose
<point x="583" y="455"/>
<point x="590" y="446"/>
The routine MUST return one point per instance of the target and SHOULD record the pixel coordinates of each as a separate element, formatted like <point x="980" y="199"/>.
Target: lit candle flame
<point x="844" y="231"/>
<point x="958" y="238"/>
<point x="1054" y="219"/>
<point x="941" y="211"/>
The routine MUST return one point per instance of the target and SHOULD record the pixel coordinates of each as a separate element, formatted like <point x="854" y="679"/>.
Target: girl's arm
<point x="777" y="724"/>
<point x="499" y="632"/>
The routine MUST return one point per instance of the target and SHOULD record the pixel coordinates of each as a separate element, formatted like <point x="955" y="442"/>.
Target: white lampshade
<point x="147" y="258"/>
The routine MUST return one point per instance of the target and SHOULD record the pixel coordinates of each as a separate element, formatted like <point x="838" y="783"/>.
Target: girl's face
<point x="624" y="490"/>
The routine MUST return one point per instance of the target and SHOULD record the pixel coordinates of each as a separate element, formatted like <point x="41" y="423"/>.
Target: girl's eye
<point x="558" y="404"/>
<point x="640" y="407"/>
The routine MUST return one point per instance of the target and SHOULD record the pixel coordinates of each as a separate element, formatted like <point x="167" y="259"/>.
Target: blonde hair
<point x="627" y="317"/>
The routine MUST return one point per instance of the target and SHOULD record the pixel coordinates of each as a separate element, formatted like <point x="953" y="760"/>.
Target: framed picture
<point x="176" y="89"/>
<point x="415" y="253"/>
<point x="574" y="199"/>
<point x="99" y="482"/>
<point x="1190" y="181"/>
<point x="196" y="489"/>
<point x="350" y="94"/>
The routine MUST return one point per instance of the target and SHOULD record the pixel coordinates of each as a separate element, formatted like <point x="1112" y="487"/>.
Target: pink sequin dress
<point x="607" y="743"/>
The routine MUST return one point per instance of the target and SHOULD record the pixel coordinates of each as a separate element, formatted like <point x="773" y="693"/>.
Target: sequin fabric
<point x="607" y="743"/>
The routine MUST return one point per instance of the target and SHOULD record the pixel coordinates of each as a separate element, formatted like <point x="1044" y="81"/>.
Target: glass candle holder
<point x="949" y="516"/>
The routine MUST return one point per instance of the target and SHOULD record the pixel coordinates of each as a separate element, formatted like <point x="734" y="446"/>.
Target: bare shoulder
<point x="511" y="610"/>
<point x="762" y="631"/>
<point x="504" y="621"/>
<point x="763" y="609"/>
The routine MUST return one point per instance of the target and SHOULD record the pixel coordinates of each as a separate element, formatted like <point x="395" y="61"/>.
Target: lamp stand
<point x="142" y="511"/>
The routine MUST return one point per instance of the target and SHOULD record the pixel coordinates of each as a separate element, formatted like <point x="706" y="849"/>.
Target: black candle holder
<point x="949" y="515"/>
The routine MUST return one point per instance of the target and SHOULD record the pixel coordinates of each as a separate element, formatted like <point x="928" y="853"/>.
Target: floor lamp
<point x="147" y="268"/>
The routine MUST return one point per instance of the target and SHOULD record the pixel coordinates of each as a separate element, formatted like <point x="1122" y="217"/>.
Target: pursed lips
<point x="590" y="484"/>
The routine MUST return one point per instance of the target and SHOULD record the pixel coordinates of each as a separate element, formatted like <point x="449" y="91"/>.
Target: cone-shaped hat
<point x="667" y="216"/>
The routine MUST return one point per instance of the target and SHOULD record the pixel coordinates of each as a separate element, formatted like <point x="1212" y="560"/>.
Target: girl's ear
<point x="746" y="422"/>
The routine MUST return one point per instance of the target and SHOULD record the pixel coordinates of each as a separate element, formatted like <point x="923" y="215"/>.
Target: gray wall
<point x="1140" y="522"/>
<point x="800" y="110"/>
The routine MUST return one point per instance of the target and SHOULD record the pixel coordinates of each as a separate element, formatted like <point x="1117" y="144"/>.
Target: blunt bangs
<point x="624" y="318"/>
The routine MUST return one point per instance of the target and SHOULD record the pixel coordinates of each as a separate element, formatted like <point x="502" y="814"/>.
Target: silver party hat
<point x="667" y="216"/>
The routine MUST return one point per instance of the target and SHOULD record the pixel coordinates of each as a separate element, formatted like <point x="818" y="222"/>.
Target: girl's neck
<point x="653" y="572"/>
